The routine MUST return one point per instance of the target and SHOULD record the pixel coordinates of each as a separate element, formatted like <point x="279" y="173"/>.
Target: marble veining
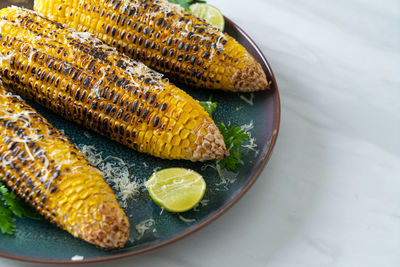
<point x="330" y="194"/>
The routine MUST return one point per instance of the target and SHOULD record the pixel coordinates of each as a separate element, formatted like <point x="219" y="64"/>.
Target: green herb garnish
<point x="234" y="138"/>
<point x="209" y="106"/>
<point x="186" y="3"/>
<point x="11" y="206"/>
<point x="7" y="220"/>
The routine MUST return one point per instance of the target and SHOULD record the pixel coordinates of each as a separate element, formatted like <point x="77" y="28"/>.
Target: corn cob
<point x="47" y="171"/>
<point x="84" y="80"/>
<point x="165" y="38"/>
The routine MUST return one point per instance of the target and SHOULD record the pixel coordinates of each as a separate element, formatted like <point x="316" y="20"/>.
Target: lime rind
<point x="209" y="13"/>
<point x="176" y="189"/>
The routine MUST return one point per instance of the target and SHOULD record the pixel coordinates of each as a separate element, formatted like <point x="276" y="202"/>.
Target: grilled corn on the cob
<point x="166" y="38"/>
<point x="48" y="172"/>
<point x="92" y="84"/>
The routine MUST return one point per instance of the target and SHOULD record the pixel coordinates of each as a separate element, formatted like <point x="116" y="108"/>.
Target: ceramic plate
<point x="37" y="241"/>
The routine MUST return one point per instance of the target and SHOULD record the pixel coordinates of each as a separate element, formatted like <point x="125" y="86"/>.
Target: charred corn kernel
<point x="86" y="81"/>
<point x="49" y="173"/>
<point x="166" y="38"/>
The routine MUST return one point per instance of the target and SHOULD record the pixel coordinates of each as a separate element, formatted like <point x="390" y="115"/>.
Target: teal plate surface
<point x="33" y="239"/>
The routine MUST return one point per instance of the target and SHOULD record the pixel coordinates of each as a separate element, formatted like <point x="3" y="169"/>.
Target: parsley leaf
<point x="183" y="3"/>
<point x="6" y="220"/>
<point x="10" y="199"/>
<point x="234" y="138"/>
<point x="209" y="106"/>
<point x="230" y="163"/>
<point x="30" y="213"/>
<point x="18" y="207"/>
<point x="11" y="205"/>
<point x="3" y="189"/>
<point x="186" y="3"/>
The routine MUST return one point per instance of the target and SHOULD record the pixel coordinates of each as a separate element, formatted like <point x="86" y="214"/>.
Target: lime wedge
<point x="209" y="13"/>
<point x="176" y="189"/>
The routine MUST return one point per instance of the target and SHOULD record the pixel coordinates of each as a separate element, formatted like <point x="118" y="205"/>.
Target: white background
<point x="330" y="195"/>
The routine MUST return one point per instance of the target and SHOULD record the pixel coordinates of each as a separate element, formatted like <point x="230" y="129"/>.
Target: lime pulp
<point x="208" y="13"/>
<point x="176" y="189"/>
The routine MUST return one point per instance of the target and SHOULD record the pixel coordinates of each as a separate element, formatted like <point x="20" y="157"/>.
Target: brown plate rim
<point x="215" y="216"/>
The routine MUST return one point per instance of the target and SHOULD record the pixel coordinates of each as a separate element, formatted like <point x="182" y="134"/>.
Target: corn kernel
<point x="184" y="133"/>
<point x="185" y="143"/>
<point x="99" y="88"/>
<point x="175" y="140"/>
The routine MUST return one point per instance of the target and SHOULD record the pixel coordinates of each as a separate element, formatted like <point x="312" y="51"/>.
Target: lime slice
<point x="209" y="13"/>
<point x="176" y="189"/>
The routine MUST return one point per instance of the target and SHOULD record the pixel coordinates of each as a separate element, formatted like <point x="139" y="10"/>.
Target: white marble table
<point x="330" y="195"/>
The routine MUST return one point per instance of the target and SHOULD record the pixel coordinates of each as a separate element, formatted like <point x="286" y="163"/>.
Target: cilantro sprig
<point x="11" y="206"/>
<point x="186" y="3"/>
<point x="234" y="138"/>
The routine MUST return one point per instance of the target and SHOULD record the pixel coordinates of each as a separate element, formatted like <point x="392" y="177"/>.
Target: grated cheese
<point x="144" y="226"/>
<point x="133" y="68"/>
<point x="24" y="120"/>
<point x="201" y="204"/>
<point x="250" y="100"/>
<point x="116" y="172"/>
<point x="77" y="258"/>
<point x="4" y="58"/>
<point x="239" y="108"/>
<point x="170" y="10"/>
<point x="223" y="179"/>
<point x="227" y="177"/>
<point x="251" y="142"/>
<point x="87" y="134"/>
<point x="185" y="220"/>
<point x="156" y="169"/>
<point x="83" y="36"/>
